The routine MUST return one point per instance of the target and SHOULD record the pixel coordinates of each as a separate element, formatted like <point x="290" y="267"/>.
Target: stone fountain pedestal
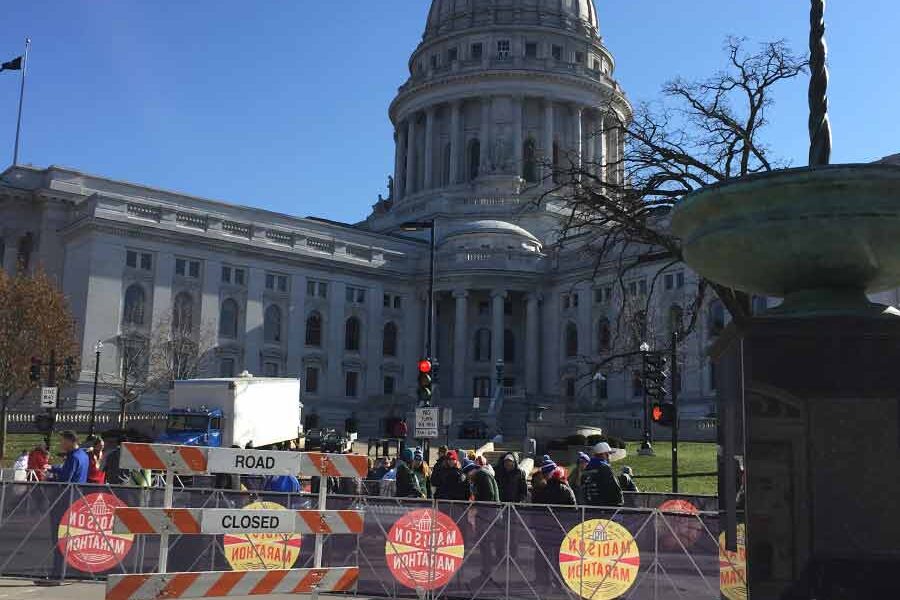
<point x="812" y="405"/>
<point x="809" y="393"/>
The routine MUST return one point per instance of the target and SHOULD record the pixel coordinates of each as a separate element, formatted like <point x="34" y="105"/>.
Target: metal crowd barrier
<point x="409" y="548"/>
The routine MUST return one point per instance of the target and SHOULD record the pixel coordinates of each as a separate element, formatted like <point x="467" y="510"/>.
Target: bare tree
<point x="703" y="132"/>
<point x="176" y="349"/>
<point x="35" y="322"/>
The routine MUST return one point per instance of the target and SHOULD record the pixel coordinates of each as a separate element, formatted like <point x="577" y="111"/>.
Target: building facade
<point x="497" y="90"/>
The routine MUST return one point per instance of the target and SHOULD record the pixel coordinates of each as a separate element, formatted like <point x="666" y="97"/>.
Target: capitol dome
<point x="451" y="15"/>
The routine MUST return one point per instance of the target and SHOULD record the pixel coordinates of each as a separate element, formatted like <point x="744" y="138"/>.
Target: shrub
<point x="593" y="440"/>
<point x="576" y="440"/>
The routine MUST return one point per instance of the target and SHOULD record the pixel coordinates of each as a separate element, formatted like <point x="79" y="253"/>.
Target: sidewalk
<point x="24" y="589"/>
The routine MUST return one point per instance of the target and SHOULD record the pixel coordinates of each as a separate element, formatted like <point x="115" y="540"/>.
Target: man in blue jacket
<point x="75" y="468"/>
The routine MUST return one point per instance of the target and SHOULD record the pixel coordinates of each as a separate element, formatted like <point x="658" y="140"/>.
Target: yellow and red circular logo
<point x="424" y="549"/>
<point x="262" y="551"/>
<point x="733" y="567"/>
<point x="599" y="560"/>
<point x="686" y="529"/>
<point x="85" y="534"/>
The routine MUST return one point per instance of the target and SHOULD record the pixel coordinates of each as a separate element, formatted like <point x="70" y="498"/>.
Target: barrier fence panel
<point x="407" y="548"/>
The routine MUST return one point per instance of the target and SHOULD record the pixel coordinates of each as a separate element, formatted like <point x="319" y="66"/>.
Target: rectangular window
<point x="240" y="277"/>
<point x="349" y="294"/>
<point x="579" y="57"/>
<point x="387" y="301"/>
<point x="669" y="281"/>
<point x="503" y="49"/>
<point x="352" y="384"/>
<point x="556" y="52"/>
<point x="310" y="288"/>
<point x="180" y="266"/>
<point x="312" y="380"/>
<point x="282" y="282"/>
<point x="679" y="279"/>
<point x="570" y="388"/>
<point x="531" y="49"/>
<point x="131" y="259"/>
<point x="270" y="281"/>
<point x="323" y="290"/>
<point x="194" y="269"/>
<point x="226" y="367"/>
<point x="389" y="385"/>
<point x="477" y="51"/>
<point x="270" y="369"/>
<point x="355" y="295"/>
<point x="481" y="387"/>
<point x="452" y="54"/>
<point x="146" y="261"/>
<point x="398" y="302"/>
<point x="603" y="389"/>
<point x="226" y="274"/>
<point x="434" y="61"/>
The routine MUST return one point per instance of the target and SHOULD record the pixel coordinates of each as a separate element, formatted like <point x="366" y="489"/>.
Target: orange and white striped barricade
<point x="211" y="584"/>
<point x="192" y="460"/>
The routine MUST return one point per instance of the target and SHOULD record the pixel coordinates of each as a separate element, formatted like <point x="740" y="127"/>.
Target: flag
<point x="13" y="65"/>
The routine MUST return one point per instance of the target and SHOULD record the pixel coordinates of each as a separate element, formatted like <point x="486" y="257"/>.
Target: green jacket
<point x="484" y="487"/>
<point x="424" y="482"/>
<point x="407" y="482"/>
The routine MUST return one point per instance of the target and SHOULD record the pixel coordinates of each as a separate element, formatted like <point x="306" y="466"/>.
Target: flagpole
<point x="21" y="98"/>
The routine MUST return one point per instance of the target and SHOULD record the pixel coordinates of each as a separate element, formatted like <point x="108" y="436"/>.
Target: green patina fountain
<point x="820" y="237"/>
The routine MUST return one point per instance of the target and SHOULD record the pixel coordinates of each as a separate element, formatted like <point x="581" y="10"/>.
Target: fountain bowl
<point x="819" y="237"/>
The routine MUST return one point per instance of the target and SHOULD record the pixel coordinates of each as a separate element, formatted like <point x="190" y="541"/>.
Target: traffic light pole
<point x="673" y="381"/>
<point x="647" y="445"/>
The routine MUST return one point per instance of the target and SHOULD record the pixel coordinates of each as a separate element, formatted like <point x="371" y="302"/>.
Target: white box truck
<point x="261" y="411"/>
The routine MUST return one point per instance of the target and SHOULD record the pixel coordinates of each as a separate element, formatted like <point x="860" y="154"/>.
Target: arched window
<point x="509" y="346"/>
<point x="446" y="157"/>
<point x="183" y="315"/>
<point x="474" y="159"/>
<point x="676" y="319"/>
<point x="529" y="161"/>
<point x="228" y="319"/>
<point x="272" y="324"/>
<point x="135" y="301"/>
<point x="571" y="340"/>
<point x="314" y="330"/>
<point x="716" y="317"/>
<point x="483" y="345"/>
<point x="389" y="341"/>
<point x="352" y="334"/>
<point x="604" y="336"/>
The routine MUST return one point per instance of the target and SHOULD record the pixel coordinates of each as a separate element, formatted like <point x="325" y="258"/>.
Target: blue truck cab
<point x="193" y="427"/>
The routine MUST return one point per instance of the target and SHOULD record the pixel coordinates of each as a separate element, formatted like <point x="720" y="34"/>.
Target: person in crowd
<point x="511" y="480"/>
<point x="550" y="485"/>
<point x="38" y="459"/>
<point x="21" y="463"/>
<point x="112" y="472"/>
<point x="450" y="483"/>
<point x="287" y="484"/>
<point x="380" y="470"/>
<point x="483" y="485"/>
<point x="601" y="487"/>
<point x="95" y="447"/>
<point x="400" y="432"/>
<point x="422" y="472"/>
<point x="407" y="482"/>
<point x="577" y="475"/>
<point x="482" y="463"/>
<point x="439" y="463"/>
<point x="626" y="480"/>
<point x="470" y="455"/>
<point x="484" y="489"/>
<point x="75" y="466"/>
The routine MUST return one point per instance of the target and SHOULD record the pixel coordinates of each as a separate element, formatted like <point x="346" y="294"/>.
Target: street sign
<point x="427" y="420"/>
<point x="253" y="462"/>
<point x="48" y="397"/>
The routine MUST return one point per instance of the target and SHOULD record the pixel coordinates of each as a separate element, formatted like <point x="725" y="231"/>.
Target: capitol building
<point x="497" y="90"/>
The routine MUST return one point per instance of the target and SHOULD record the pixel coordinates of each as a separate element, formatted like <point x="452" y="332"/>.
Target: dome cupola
<point x="447" y="16"/>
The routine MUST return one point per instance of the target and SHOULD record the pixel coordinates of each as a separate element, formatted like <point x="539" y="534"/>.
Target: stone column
<point x="399" y="143"/>
<point x="455" y="132"/>
<point x="577" y="134"/>
<point x="460" y="342"/>
<point x="498" y="299"/>
<point x="532" y="342"/>
<point x="410" y="187"/>
<point x="589" y="145"/>
<point x="548" y="139"/>
<point x="209" y="308"/>
<point x="517" y="107"/>
<point x="485" y="135"/>
<point x="428" y="180"/>
<point x="600" y="148"/>
<point x="254" y="320"/>
<point x="296" y="330"/>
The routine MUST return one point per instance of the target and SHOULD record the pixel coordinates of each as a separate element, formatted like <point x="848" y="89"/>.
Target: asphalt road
<point x="20" y="589"/>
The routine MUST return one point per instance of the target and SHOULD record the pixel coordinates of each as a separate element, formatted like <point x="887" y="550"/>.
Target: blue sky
<point x="283" y="104"/>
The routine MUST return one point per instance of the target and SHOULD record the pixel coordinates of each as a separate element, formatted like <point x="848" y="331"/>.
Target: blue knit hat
<point x="584" y="457"/>
<point x="408" y="455"/>
<point x="419" y="455"/>
<point x="468" y="466"/>
<point x="547" y="465"/>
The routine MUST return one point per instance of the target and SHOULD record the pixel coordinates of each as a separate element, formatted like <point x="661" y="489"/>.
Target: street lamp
<point x="420" y="226"/>
<point x="647" y="445"/>
<point x="98" y="348"/>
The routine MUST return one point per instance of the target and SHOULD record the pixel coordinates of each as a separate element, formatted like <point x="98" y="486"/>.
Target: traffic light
<point x="663" y="413"/>
<point x="35" y="373"/>
<point x="425" y="381"/>
<point x="655" y="375"/>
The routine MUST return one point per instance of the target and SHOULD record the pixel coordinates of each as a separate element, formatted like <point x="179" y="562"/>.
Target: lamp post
<point x="98" y="348"/>
<point x="647" y="444"/>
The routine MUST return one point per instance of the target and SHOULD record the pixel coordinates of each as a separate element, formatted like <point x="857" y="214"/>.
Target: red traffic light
<point x="657" y="413"/>
<point x="425" y="366"/>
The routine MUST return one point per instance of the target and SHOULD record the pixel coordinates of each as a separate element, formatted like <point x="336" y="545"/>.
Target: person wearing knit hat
<point x="422" y="472"/>
<point x="576" y="477"/>
<point x="484" y="489"/>
<point x="449" y="481"/>
<point x="407" y="482"/>
<point x="549" y="485"/>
